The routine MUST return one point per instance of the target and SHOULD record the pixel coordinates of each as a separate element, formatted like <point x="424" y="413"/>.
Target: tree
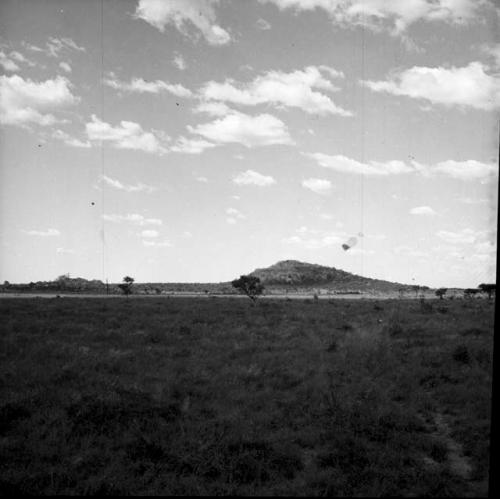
<point x="126" y="285"/>
<point x="249" y="285"/>
<point x="441" y="292"/>
<point x="470" y="292"/>
<point x="489" y="289"/>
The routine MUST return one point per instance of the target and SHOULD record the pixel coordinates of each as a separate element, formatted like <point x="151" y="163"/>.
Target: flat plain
<point x="221" y="396"/>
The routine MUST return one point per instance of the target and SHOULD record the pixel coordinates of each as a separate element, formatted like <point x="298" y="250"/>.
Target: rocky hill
<point x="294" y="275"/>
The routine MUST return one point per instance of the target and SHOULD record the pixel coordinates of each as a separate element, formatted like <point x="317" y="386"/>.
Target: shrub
<point x="461" y="354"/>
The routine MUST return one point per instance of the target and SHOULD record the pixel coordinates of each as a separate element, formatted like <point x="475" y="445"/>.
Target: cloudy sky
<point x="196" y="140"/>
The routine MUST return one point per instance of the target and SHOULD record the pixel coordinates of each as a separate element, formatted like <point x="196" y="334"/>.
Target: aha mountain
<point x="292" y="274"/>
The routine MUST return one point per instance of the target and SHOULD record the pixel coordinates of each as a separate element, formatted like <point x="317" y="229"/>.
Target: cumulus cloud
<point x="251" y="177"/>
<point x="7" y="62"/>
<point x="65" y="251"/>
<point x="315" y="239"/>
<point x="65" y="67"/>
<point x="24" y="101"/>
<point x="318" y="185"/>
<point x="409" y="251"/>
<point x="116" y="184"/>
<point x="492" y="51"/>
<point x="133" y="218"/>
<point x="138" y="85"/>
<point x="149" y="233"/>
<point x="467" y="170"/>
<point x="191" y="146"/>
<point x="184" y="14"/>
<point x="263" y="24"/>
<point x="300" y="89"/>
<point x="394" y="16"/>
<point x="464" y="236"/>
<point x="179" y="62"/>
<point x="422" y="210"/>
<point x="251" y="131"/>
<point x="461" y="170"/>
<point x="43" y="233"/>
<point x="213" y="108"/>
<point x="69" y="140"/>
<point x="156" y="244"/>
<point x="344" y="164"/>
<point x="126" y="135"/>
<point x="467" y="200"/>
<point x="56" y="45"/>
<point x="468" y="86"/>
<point x="234" y="215"/>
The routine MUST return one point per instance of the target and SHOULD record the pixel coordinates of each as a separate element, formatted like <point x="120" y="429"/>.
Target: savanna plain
<point x="222" y="396"/>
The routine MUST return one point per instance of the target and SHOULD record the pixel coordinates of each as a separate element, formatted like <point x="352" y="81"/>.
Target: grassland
<point x="218" y="396"/>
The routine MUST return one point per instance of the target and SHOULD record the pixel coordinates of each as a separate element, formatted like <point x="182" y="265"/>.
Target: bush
<point x="461" y="354"/>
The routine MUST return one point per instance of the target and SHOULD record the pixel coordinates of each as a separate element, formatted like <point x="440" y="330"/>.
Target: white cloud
<point x="347" y="165"/>
<point x="183" y="14"/>
<point x="24" y="101"/>
<point x="422" y="210"/>
<point x="263" y="24"/>
<point x="213" y="108"/>
<point x="467" y="170"/>
<point x="43" y="233"/>
<point x="492" y="51"/>
<point x="296" y="89"/>
<point x="315" y="239"/>
<point x="251" y="131"/>
<point x="69" y="140"/>
<point x="179" y="62"/>
<point x="140" y="187"/>
<point x="251" y="177"/>
<point x="360" y="251"/>
<point x="65" y="251"/>
<point x="462" y="170"/>
<point x="56" y="45"/>
<point x="191" y="146"/>
<point x="202" y="179"/>
<point x="318" y="185"/>
<point x="7" y="63"/>
<point x="409" y="251"/>
<point x="149" y="233"/>
<point x="234" y="214"/>
<point x="31" y="47"/>
<point x="141" y="86"/>
<point x="65" y="67"/>
<point x="156" y="244"/>
<point x="465" y="236"/>
<point x="467" y="200"/>
<point x="394" y="16"/>
<point x="133" y="218"/>
<point x="127" y="135"/>
<point x="469" y="86"/>
<point x="18" y="57"/>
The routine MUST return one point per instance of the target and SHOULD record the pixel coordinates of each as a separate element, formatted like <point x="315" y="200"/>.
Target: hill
<point x="302" y="276"/>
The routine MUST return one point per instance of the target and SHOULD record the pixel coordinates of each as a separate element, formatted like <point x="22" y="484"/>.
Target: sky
<point x="197" y="140"/>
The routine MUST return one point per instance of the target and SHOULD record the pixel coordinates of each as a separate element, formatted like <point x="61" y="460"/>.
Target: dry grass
<point x="197" y="396"/>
